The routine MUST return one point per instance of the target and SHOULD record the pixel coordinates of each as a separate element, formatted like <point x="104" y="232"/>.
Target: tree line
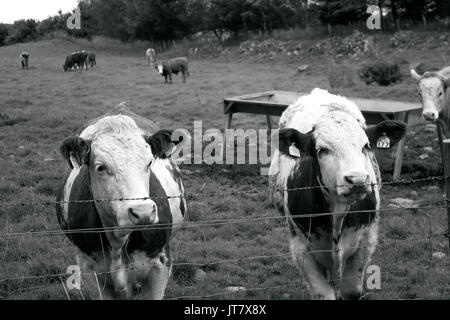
<point x="162" y="20"/>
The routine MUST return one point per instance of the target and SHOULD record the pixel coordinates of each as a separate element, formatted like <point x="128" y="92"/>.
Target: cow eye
<point x="101" y="168"/>
<point x="150" y="165"/>
<point x="367" y="147"/>
<point x="322" y="152"/>
<point x="440" y="94"/>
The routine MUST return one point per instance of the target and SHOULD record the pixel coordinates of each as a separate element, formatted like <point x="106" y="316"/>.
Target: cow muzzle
<point x="430" y="115"/>
<point x="356" y="185"/>
<point x="145" y="212"/>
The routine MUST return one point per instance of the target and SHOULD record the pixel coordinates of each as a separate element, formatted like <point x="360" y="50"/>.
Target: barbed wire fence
<point x="18" y="282"/>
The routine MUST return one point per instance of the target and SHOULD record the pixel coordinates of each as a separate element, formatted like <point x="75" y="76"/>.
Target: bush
<point x="381" y="72"/>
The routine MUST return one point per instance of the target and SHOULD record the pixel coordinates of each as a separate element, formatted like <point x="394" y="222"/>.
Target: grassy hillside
<point x="45" y="105"/>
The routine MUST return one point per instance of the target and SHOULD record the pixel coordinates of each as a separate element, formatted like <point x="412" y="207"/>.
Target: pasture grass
<point x="56" y="104"/>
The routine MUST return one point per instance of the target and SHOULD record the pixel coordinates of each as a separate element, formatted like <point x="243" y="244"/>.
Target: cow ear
<point x="386" y="134"/>
<point x="415" y="75"/>
<point x="76" y="151"/>
<point x="293" y="142"/>
<point x="447" y="82"/>
<point x="162" y="144"/>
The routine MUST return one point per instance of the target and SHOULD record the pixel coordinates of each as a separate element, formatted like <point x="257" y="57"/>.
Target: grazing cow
<point x="325" y="164"/>
<point x="150" y="54"/>
<point x="434" y="96"/>
<point x="91" y="59"/>
<point x="175" y="65"/>
<point x="77" y="58"/>
<point x="122" y="156"/>
<point x="24" y="57"/>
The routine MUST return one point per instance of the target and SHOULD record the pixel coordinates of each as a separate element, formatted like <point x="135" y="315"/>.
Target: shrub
<point x="382" y="73"/>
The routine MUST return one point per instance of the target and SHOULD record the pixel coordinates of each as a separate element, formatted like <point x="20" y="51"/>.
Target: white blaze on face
<point x="343" y="154"/>
<point x="119" y="168"/>
<point x="432" y="95"/>
<point x="160" y="69"/>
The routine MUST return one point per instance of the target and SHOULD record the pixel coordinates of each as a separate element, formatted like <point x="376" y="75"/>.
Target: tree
<point x="4" y="31"/>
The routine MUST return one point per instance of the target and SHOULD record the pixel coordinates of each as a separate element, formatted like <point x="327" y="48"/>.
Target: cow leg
<point x="360" y="246"/>
<point x="119" y="275"/>
<point x="184" y="76"/>
<point x="157" y="278"/>
<point x="319" y="283"/>
<point x="170" y="77"/>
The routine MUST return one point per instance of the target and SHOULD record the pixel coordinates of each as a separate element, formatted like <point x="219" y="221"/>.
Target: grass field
<point x="45" y="105"/>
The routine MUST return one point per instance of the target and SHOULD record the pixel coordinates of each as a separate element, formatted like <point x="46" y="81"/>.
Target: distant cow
<point x="24" y="58"/>
<point x="91" y="59"/>
<point x="175" y="65"/>
<point x="435" y="96"/>
<point x="325" y="164"/>
<point x="150" y="54"/>
<point x="76" y="59"/>
<point x="122" y="179"/>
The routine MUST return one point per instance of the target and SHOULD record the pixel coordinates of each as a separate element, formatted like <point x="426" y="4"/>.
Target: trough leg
<point x="269" y="122"/>
<point x="400" y="148"/>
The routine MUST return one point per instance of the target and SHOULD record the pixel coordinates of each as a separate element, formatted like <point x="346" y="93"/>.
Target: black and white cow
<point x="76" y="59"/>
<point x="91" y="59"/>
<point x="325" y="154"/>
<point x="24" y="58"/>
<point x="150" y="55"/>
<point x="122" y="156"/>
<point x="175" y="65"/>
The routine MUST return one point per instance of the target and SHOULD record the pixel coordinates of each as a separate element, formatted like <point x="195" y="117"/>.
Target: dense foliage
<point x="162" y="20"/>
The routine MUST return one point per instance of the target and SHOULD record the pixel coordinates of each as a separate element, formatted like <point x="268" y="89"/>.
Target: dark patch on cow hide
<point x="153" y="240"/>
<point x="83" y="215"/>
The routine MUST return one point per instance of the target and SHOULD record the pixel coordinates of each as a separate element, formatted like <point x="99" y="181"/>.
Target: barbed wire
<point x="212" y="223"/>
<point x="440" y="204"/>
<point x="287" y="254"/>
<point x="196" y="195"/>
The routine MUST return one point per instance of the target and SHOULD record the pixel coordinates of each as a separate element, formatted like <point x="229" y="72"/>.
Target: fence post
<point x="446" y="162"/>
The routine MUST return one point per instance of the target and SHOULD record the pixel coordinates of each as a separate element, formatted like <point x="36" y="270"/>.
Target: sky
<point x="12" y="10"/>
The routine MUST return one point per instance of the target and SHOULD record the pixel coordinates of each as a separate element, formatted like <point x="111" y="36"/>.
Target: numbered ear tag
<point x="293" y="151"/>
<point x="383" y="142"/>
<point x="171" y="148"/>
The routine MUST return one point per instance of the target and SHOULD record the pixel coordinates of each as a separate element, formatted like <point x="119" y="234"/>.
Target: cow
<point x="91" y="59"/>
<point x="434" y="96"/>
<point x="76" y="59"/>
<point x="325" y="166"/>
<point x="122" y="181"/>
<point x="24" y="58"/>
<point x="150" y="54"/>
<point x="175" y="65"/>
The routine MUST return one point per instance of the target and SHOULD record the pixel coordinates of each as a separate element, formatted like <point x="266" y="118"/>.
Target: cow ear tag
<point x="383" y="142"/>
<point x="293" y="151"/>
<point x="170" y="149"/>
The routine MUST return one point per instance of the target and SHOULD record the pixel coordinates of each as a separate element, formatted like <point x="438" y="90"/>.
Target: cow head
<point x="432" y="88"/>
<point x="342" y="152"/>
<point x="119" y="158"/>
<point x="160" y="68"/>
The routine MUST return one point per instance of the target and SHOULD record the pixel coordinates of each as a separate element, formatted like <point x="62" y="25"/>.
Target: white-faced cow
<point x="175" y="65"/>
<point x="24" y="58"/>
<point x="123" y="158"/>
<point x="150" y="54"/>
<point x="326" y="163"/>
<point x="434" y="96"/>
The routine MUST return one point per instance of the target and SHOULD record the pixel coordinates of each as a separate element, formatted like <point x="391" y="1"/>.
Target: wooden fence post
<point x="446" y="162"/>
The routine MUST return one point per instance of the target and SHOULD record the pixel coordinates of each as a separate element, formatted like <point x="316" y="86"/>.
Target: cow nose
<point x="143" y="213"/>
<point x="430" y="116"/>
<point x="355" y="178"/>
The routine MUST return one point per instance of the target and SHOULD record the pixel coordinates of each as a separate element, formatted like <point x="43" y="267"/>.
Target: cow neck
<point x="339" y="210"/>
<point x="306" y="197"/>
